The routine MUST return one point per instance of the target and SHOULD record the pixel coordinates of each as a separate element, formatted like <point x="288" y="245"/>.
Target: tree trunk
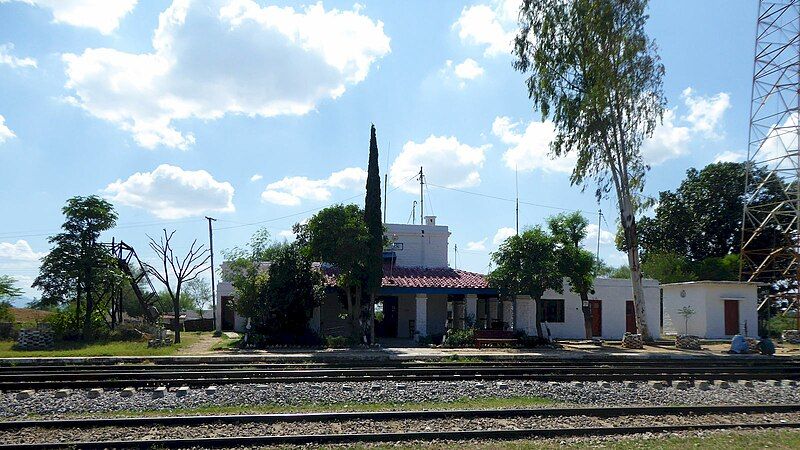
<point x="538" y="302"/>
<point x="628" y="221"/>
<point x="587" y="314"/>
<point x="372" y="318"/>
<point x="176" y="321"/>
<point x="87" y="319"/>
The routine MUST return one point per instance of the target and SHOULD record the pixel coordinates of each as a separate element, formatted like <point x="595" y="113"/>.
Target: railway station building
<point x="421" y="295"/>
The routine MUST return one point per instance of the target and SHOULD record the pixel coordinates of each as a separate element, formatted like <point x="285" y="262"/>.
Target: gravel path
<point x="34" y="435"/>
<point x="45" y="402"/>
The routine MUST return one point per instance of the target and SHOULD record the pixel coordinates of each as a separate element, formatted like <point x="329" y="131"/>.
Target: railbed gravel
<point x="44" y="403"/>
<point x="42" y="435"/>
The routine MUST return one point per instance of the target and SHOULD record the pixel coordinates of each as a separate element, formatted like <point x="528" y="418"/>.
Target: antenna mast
<point x="774" y="148"/>
<point x="421" y="197"/>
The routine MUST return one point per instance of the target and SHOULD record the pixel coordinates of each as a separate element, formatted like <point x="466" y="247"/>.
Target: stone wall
<point x="631" y="340"/>
<point x="791" y="336"/>
<point x="40" y="338"/>
<point x="687" y="342"/>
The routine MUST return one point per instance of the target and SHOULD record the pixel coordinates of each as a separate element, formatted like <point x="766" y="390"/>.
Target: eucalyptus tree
<point x="8" y="288"/>
<point x="596" y="74"/>
<point x="575" y="263"/>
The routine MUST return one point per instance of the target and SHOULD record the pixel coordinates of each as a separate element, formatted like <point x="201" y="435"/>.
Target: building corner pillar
<point x="421" y="322"/>
<point x="471" y="311"/>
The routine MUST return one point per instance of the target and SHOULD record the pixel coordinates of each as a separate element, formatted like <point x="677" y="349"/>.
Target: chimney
<point x="430" y="220"/>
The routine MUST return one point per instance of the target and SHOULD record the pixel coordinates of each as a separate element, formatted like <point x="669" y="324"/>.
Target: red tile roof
<point x="444" y="277"/>
<point x="418" y="277"/>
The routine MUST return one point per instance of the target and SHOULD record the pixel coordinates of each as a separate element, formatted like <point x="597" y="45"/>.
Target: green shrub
<point x="460" y="338"/>
<point x="431" y="339"/>
<point x="336" y="342"/>
<point x="777" y="324"/>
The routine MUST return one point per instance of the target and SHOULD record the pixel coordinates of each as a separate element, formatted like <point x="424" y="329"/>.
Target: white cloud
<point x="445" y="161"/>
<point x="468" y="70"/>
<point x="102" y="15"/>
<point x="530" y="149"/>
<point x="227" y="57"/>
<point x="291" y="191"/>
<point x="19" y="251"/>
<point x="256" y="177"/>
<point x="477" y="246"/>
<point x="780" y="142"/>
<point x="705" y="113"/>
<point x="729" y="156"/>
<point x="5" y="132"/>
<point x="492" y="26"/>
<point x="606" y="237"/>
<point x="169" y="192"/>
<point x="287" y="234"/>
<point x="503" y="234"/>
<point x="669" y="141"/>
<point x="10" y="60"/>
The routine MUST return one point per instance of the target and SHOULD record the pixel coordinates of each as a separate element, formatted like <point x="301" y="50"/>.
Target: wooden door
<point x="731" y="317"/>
<point x="390" y="316"/>
<point x="228" y="314"/>
<point x="597" y="317"/>
<point x="630" y="317"/>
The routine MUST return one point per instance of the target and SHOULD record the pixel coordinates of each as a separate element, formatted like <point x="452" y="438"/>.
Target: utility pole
<point x="421" y="197"/>
<point x="386" y="182"/>
<point x="516" y="174"/>
<point x="213" y="282"/>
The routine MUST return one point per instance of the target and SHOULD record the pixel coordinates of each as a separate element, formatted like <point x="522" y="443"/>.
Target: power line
<point x="495" y="197"/>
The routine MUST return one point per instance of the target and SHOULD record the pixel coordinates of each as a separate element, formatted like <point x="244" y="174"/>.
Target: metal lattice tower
<point x="770" y="249"/>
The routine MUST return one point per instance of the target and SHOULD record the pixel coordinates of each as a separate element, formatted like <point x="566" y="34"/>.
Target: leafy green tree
<point x="667" y="268"/>
<point x="372" y="218"/>
<point x="527" y="264"/>
<point x="575" y="263"/>
<point x="8" y="288"/>
<point x="78" y="268"/>
<point x="245" y="269"/>
<point x="594" y="71"/>
<point x="725" y="268"/>
<point x="292" y="289"/>
<point x="702" y="218"/>
<point x="199" y="291"/>
<point x="338" y="236"/>
<point x="620" y="272"/>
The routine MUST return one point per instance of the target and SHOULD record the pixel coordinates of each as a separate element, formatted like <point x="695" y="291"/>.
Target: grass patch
<point x="226" y="343"/>
<point x="463" y="403"/>
<point x="116" y="348"/>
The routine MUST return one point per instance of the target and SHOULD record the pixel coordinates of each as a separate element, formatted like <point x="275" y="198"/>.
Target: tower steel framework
<point x="770" y="248"/>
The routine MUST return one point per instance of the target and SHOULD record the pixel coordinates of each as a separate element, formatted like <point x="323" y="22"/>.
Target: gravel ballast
<point x="45" y="403"/>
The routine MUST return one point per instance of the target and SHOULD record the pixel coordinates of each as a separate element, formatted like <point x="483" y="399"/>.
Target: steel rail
<point x="234" y="441"/>
<point x="198" y="382"/>
<point x="613" y="411"/>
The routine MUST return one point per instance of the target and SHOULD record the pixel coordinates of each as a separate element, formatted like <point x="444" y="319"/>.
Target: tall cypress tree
<point x="372" y="217"/>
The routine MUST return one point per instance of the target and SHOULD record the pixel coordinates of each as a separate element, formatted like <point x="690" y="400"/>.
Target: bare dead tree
<point x="177" y="271"/>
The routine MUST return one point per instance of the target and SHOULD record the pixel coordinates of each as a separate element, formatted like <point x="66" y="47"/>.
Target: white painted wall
<point x="708" y="300"/>
<point x="437" y="313"/>
<point x="406" y="311"/>
<point x="613" y="293"/>
<point x="423" y="245"/>
<point x="526" y="315"/>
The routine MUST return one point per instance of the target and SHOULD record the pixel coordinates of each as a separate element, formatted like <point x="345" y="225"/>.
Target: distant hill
<point x="27" y="315"/>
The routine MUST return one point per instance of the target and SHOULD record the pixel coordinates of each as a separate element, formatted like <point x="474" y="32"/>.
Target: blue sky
<point x="258" y="113"/>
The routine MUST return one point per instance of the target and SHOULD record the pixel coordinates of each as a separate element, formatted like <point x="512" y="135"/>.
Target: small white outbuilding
<point x="721" y="308"/>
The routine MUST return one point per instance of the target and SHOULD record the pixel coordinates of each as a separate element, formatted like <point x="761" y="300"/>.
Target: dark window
<point x="551" y="310"/>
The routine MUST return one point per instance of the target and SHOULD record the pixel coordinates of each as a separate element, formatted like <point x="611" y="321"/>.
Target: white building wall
<point x="406" y="311"/>
<point x="613" y="293"/>
<point x="695" y="297"/>
<point x="708" y="300"/>
<point x="526" y="315"/>
<point x="422" y="245"/>
<point x="437" y="314"/>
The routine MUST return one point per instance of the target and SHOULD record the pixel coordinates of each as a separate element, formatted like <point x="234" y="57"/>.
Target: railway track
<point x="142" y="375"/>
<point x="702" y="418"/>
